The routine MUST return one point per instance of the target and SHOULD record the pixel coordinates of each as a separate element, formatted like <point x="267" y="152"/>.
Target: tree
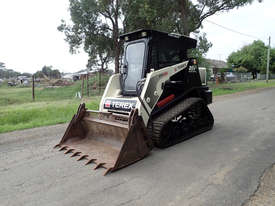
<point x="203" y="47"/>
<point x="253" y="58"/>
<point x="272" y="60"/>
<point x="26" y="74"/>
<point x="103" y="47"/>
<point x="241" y="69"/>
<point x="182" y="16"/>
<point x="56" y="74"/>
<point x="96" y="26"/>
<point x="8" y="73"/>
<point x="48" y="72"/>
<point x="148" y="14"/>
<point x="193" y="13"/>
<point x="39" y="74"/>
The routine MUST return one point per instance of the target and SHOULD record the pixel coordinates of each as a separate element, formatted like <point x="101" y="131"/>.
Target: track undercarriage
<point x="187" y="119"/>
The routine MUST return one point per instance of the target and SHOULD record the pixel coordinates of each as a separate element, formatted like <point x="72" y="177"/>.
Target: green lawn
<point x="17" y="95"/>
<point x="29" y="115"/>
<point x="51" y="106"/>
<point x="57" y="105"/>
<point x="229" y="88"/>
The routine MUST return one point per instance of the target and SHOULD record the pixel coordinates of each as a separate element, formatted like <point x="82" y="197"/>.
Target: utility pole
<point x="268" y="59"/>
<point x="33" y="95"/>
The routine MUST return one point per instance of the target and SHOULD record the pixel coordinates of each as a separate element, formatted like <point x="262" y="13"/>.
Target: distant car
<point x="212" y="77"/>
<point x="11" y="84"/>
<point x="230" y="76"/>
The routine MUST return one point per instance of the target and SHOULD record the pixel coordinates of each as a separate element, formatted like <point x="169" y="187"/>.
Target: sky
<point x="29" y="38"/>
<point x="257" y="20"/>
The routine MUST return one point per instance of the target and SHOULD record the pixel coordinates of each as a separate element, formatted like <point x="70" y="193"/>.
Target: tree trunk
<point x="254" y="74"/>
<point x="116" y="37"/>
<point x="183" y="5"/>
<point x="99" y="82"/>
<point x="117" y="52"/>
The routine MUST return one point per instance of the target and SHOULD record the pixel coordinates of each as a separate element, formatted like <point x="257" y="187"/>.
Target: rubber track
<point x="155" y="126"/>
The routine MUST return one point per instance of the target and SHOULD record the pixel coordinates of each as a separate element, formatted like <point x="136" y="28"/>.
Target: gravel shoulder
<point x="265" y="193"/>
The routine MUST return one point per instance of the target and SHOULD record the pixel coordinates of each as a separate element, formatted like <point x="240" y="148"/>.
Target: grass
<point x="17" y="95"/>
<point x="57" y="105"/>
<point x="230" y="88"/>
<point x="30" y="115"/>
<point x="51" y="106"/>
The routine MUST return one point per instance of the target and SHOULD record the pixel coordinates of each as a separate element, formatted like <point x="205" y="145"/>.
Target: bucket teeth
<point x="90" y="161"/>
<point x="99" y="165"/>
<point x="82" y="157"/>
<point x="63" y="147"/>
<point x="58" y="145"/>
<point x="68" y="151"/>
<point x="75" y="154"/>
<point x="108" y="171"/>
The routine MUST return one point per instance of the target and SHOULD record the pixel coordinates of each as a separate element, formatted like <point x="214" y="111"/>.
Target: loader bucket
<point x="109" y="141"/>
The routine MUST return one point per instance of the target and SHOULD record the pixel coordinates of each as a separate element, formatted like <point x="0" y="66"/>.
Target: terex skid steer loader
<point x="157" y="99"/>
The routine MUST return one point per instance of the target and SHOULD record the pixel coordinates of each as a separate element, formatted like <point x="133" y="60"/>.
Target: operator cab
<point x="149" y="49"/>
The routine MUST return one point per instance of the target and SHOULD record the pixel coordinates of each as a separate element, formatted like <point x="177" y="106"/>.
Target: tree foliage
<point x="8" y="73"/>
<point x="253" y="57"/>
<point x="96" y="24"/>
<point x="241" y="69"/>
<point x="182" y="16"/>
<point x="48" y="72"/>
<point x="148" y="14"/>
<point x="203" y="47"/>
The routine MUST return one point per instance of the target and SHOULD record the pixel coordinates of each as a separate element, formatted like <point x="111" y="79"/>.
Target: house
<point x="215" y="66"/>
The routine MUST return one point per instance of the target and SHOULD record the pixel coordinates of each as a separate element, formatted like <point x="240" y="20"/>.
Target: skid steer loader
<point x="157" y="99"/>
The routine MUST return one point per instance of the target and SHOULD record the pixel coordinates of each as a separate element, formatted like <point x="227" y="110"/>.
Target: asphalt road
<point x="220" y="167"/>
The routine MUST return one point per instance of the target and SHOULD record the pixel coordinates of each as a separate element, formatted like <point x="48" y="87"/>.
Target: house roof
<point x="217" y="63"/>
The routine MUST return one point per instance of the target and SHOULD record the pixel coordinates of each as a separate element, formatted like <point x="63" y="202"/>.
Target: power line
<point x="232" y="30"/>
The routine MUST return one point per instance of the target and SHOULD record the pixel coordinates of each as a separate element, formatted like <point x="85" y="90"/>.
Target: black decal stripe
<point x="150" y="91"/>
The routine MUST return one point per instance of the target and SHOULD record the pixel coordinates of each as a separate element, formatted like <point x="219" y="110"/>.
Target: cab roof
<point x="154" y="34"/>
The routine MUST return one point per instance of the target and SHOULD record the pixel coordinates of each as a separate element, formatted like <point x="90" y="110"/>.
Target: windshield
<point x="134" y="61"/>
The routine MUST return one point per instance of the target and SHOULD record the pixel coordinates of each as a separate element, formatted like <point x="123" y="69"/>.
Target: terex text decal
<point x="117" y="104"/>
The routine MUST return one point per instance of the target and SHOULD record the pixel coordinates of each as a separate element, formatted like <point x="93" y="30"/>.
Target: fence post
<point x="33" y="94"/>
